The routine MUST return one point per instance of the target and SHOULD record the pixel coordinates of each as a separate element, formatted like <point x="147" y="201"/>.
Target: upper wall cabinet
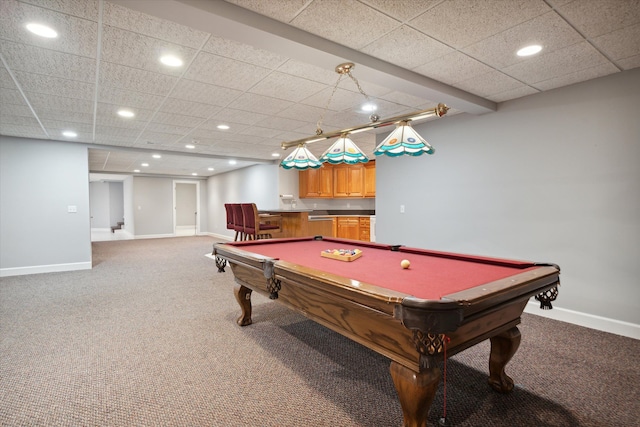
<point x="339" y="181"/>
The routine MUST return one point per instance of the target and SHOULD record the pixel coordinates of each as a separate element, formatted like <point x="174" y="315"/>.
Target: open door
<point x="186" y="207"/>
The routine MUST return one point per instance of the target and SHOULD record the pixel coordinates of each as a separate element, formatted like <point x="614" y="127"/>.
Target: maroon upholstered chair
<point x="253" y="228"/>
<point x="238" y="221"/>
<point x="229" y="209"/>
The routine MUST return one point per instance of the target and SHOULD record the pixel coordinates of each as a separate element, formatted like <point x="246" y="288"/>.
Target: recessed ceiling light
<point x="171" y="60"/>
<point x="529" y="50"/>
<point x="232" y="162"/>
<point x="223" y="127"/>
<point x="126" y="113"/>
<point x="369" y="107"/>
<point x="275" y="154"/>
<point x="136" y="170"/>
<point x="156" y="156"/>
<point x="194" y="173"/>
<point x="210" y="169"/>
<point x="42" y="30"/>
<point x="144" y="164"/>
<point x="190" y="147"/>
<point x="69" y="134"/>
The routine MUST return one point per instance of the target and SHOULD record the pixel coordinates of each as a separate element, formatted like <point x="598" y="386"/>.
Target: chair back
<point x="249" y="212"/>
<point x="229" y="210"/>
<point x="238" y="221"/>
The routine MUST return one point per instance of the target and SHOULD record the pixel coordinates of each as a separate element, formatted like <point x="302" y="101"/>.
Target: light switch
<point x="401" y="208"/>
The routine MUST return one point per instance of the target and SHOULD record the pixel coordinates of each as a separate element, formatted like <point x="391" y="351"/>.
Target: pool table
<point x="442" y="304"/>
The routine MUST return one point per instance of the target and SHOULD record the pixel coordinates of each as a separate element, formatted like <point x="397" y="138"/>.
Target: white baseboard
<point x="37" y="269"/>
<point x="221" y="237"/>
<point x="599" y="323"/>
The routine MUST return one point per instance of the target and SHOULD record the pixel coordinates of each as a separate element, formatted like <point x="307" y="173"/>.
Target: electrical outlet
<point x="72" y="209"/>
<point x="401" y="208"/>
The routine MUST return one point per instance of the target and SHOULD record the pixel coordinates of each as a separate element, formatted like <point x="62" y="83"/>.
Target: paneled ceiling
<point x="265" y="68"/>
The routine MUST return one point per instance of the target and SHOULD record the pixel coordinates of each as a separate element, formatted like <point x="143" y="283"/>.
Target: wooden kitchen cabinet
<point x="369" y="186"/>
<point x="316" y="183"/>
<point x="348" y="180"/>
<point x="364" y="226"/>
<point x="348" y="227"/>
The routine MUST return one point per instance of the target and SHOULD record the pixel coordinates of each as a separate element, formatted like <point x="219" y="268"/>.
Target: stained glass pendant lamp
<point x="301" y="158"/>
<point x="344" y="150"/>
<point x="404" y="140"/>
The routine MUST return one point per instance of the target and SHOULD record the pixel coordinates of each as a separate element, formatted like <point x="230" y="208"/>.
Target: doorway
<point x="186" y="208"/>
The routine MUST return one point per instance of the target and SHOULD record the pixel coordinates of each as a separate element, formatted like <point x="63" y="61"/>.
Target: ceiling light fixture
<point x="210" y="169"/>
<point x="344" y="150"/>
<point x="136" y="170"/>
<point x="156" y="156"/>
<point x="171" y="61"/>
<point x="144" y="165"/>
<point x="529" y="50"/>
<point x="42" y="30"/>
<point x="232" y="162"/>
<point x="190" y="146"/>
<point x="223" y="127"/>
<point x="69" y="134"/>
<point x="126" y="113"/>
<point x="194" y="173"/>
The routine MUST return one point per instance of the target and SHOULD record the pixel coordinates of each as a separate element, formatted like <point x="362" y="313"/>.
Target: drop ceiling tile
<point x="6" y="82"/>
<point x="557" y="63"/>
<point x="211" y="128"/>
<point x="13" y="109"/>
<point x="339" y="24"/>
<point x="243" y="52"/>
<point x="595" y="18"/>
<point x="22" y="131"/>
<point x="303" y="112"/>
<point x="287" y="87"/>
<point x="107" y="138"/>
<point x="283" y="124"/>
<point x="230" y="116"/>
<point x="208" y="132"/>
<point x="135" y="79"/>
<point x="42" y="102"/>
<point x="86" y="9"/>
<point x="138" y="51"/>
<point x="128" y="98"/>
<point x="402" y="10"/>
<point x="259" y="104"/>
<point x="310" y="72"/>
<point x="108" y="120"/>
<point x="188" y="108"/>
<point x="282" y="11"/>
<point x="158" y="138"/>
<point x="512" y="94"/>
<point x="190" y="90"/>
<point x="70" y="116"/>
<point x="341" y="99"/>
<point x="491" y="83"/>
<point x="11" y="96"/>
<point x="259" y="132"/>
<point x="33" y="59"/>
<point x="459" y="23"/>
<point x="371" y="89"/>
<point x="131" y="20"/>
<point x="406" y="99"/>
<point x="14" y="119"/>
<point x="549" y="31"/>
<point x="577" y="76"/>
<point x="75" y="36"/>
<point x="453" y="68"/>
<point x="406" y="47"/>
<point x="629" y="63"/>
<point x="225" y="72"/>
<point x="177" y="120"/>
<point x="620" y="44"/>
<point x="37" y="83"/>
<point x="55" y="126"/>
<point x="120" y="132"/>
<point x="172" y="129"/>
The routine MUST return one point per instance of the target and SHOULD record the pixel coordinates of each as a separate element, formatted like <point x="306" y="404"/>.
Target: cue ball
<point x="405" y="263"/>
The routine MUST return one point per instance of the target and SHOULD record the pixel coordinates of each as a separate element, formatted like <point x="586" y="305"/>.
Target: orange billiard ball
<point x="405" y="263"/>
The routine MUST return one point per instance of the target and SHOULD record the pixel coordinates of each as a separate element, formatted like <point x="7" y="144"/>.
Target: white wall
<point x="99" y="200"/>
<point x="551" y="177"/>
<point x="116" y="203"/>
<point x="39" y="180"/>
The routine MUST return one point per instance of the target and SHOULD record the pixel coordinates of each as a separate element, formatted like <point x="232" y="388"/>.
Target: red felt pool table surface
<point x="431" y="275"/>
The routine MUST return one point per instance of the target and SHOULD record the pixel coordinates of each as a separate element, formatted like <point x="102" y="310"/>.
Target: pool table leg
<point x="416" y="391"/>
<point x="243" y="296"/>
<point x="503" y="347"/>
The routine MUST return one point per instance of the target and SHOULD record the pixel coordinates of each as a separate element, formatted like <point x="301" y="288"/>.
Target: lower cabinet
<point x="356" y="228"/>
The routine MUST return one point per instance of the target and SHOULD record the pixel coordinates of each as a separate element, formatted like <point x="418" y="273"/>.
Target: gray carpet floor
<point x="148" y="338"/>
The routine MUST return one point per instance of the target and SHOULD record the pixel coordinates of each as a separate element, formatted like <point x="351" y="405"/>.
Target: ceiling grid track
<point x="98" y="59"/>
